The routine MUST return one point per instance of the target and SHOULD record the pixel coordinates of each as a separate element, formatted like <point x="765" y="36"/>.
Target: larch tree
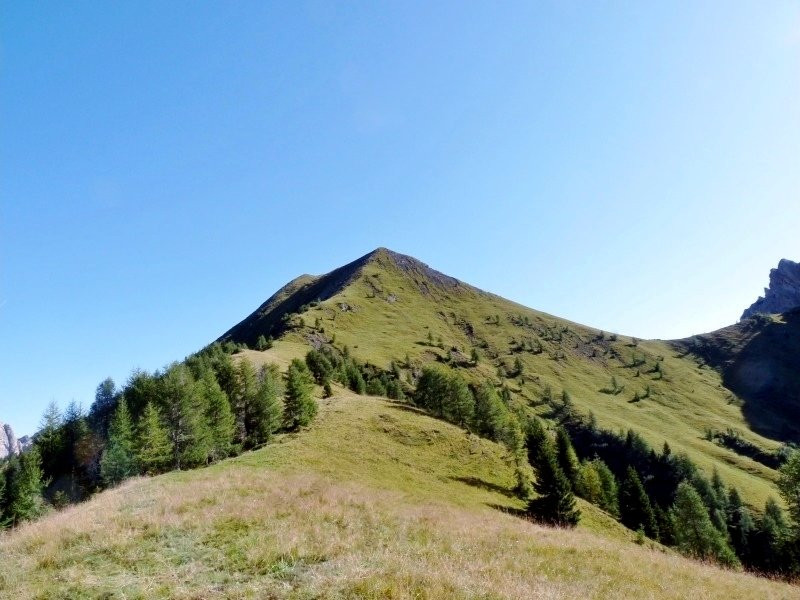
<point x="118" y="461"/>
<point x="299" y="405"/>
<point x="635" y="509"/>
<point x="152" y="441"/>
<point x="695" y="534"/>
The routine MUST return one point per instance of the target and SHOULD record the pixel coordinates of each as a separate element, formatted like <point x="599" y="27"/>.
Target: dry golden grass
<point x="372" y="501"/>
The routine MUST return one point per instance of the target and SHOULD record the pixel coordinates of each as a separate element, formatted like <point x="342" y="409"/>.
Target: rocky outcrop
<point x="783" y="293"/>
<point x="8" y="441"/>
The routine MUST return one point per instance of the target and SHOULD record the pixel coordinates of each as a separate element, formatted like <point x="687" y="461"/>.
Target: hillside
<point x="415" y="509"/>
<point x="386" y="307"/>
<point x="759" y="361"/>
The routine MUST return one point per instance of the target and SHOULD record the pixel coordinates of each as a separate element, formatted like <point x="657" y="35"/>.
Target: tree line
<point x="190" y="414"/>
<point x="662" y="495"/>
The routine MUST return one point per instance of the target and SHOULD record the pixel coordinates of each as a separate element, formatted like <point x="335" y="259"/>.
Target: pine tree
<point x="635" y="509"/>
<point x="789" y="484"/>
<point x="264" y="412"/>
<point x="319" y="365"/>
<point x="50" y="441"/>
<point x="261" y="343"/>
<point x="81" y="451"/>
<point x="185" y="415"/>
<point x="103" y="407"/>
<point x="118" y="461"/>
<point x="299" y="407"/>
<point x="555" y="503"/>
<point x="694" y="532"/>
<point x="767" y="541"/>
<point x="588" y="485"/>
<point x="245" y="392"/>
<point x="25" y="487"/>
<point x="567" y="459"/>
<point x="153" y="446"/>
<point x="489" y="410"/>
<point x="219" y="416"/>
<point x="459" y="404"/>
<point x="608" y="482"/>
<point x="740" y="525"/>
<point x="431" y="390"/>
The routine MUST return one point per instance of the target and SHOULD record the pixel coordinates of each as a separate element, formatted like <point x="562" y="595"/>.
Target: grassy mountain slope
<point x="374" y="500"/>
<point x="384" y="306"/>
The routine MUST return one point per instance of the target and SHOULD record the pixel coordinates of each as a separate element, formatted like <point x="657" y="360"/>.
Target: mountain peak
<point x="307" y="289"/>
<point x="783" y="293"/>
<point x="8" y="441"/>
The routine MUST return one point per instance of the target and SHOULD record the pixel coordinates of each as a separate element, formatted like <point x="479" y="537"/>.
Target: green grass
<point x="372" y="501"/>
<point x="688" y="399"/>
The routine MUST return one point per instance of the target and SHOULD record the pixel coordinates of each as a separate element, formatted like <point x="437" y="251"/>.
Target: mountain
<point x="387" y="307"/>
<point x="268" y="319"/>
<point x="378" y="499"/>
<point x="783" y="293"/>
<point x="9" y="444"/>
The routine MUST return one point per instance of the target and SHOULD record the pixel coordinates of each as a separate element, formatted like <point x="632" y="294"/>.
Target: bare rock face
<point x="8" y="441"/>
<point x="783" y="293"/>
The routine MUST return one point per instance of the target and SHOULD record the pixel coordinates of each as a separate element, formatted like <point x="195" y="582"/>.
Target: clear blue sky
<point x="165" y="166"/>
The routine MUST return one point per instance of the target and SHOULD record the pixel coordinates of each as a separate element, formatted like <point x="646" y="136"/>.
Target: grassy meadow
<point x="374" y="500"/>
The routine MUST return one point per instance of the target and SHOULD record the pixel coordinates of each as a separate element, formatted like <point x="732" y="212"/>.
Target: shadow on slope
<point x="759" y="359"/>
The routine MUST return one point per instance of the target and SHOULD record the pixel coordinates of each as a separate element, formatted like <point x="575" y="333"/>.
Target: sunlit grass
<point x="373" y="501"/>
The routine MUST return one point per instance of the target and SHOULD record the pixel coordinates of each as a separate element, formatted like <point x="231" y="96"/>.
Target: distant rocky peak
<point x="8" y="441"/>
<point x="783" y="293"/>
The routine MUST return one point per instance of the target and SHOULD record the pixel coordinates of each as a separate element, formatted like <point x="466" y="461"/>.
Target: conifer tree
<point x="103" y="407"/>
<point x="299" y="406"/>
<point x="118" y="461"/>
<point x="768" y="539"/>
<point x="319" y="365"/>
<point x="153" y="446"/>
<point x="25" y="486"/>
<point x="261" y="343"/>
<point x="608" y="482"/>
<point x="50" y="440"/>
<point x="245" y="392"/>
<point x="740" y="525"/>
<point x="554" y="503"/>
<point x="489" y="411"/>
<point x="265" y="412"/>
<point x="459" y="404"/>
<point x="694" y="532"/>
<point x="635" y="509"/>
<point x="219" y="416"/>
<point x="566" y="457"/>
<point x="588" y="485"/>
<point x="789" y="484"/>
<point x="431" y="390"/>
<point x="185" y="417"/>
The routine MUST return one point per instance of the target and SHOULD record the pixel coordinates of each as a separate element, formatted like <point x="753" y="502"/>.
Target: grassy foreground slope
<point x="386" y="307"/>
<point x="374" y="500"/>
